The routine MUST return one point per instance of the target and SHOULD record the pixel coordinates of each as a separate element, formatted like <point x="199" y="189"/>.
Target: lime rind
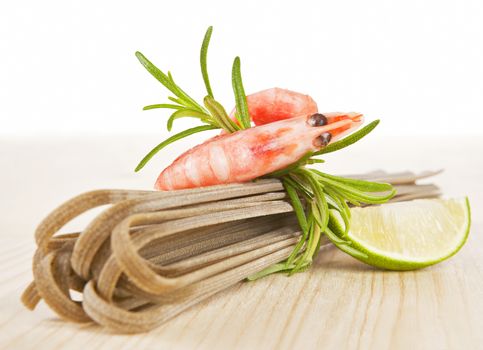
<point x="394" y="261"/>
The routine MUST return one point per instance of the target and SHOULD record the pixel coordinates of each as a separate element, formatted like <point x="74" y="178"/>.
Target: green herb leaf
<point x="177" y="100"/>
<point x="311" y="249"/>
<point x="343" y="208"/>
<point x="168" y="82"/>
<point x="172" y="139"/>
<point x="162" y="105"/>
<point x="302" y="219"/>
<point x="203" y="59"/>
<point x="349" y="140"/>
<point x="352" y="251"/>
<point x="301" y="162"/>
<point x="335" y="225"/>
<point x="219" y="115"/>
<point x="362" y="185"/>
<point x="358" y="195"/>
<point x="275" y="268"/>
<point x="183" y="113"/>
<point x="297" y="205"/>
<point x="315" y="161"/>
<point x="300" y="184"/>
<point x="333" y="237"/>
<point x="240" y="97"/>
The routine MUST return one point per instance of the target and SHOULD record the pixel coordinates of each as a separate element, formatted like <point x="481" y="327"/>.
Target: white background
<point x="71" y="93"/>
<point x="68" y="67"/>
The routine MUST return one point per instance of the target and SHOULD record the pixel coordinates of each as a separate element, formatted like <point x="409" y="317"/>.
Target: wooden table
<point x="339" y="304"/>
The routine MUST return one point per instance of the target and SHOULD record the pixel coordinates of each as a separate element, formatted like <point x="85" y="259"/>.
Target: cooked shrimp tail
<point x="274" y="104"/>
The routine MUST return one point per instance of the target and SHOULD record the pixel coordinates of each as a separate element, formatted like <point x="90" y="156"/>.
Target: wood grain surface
<point x="339" y="304"/>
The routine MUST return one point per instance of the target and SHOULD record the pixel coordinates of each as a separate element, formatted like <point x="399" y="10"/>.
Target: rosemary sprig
<point x="182" y="97"/>
<point x="219" y="114"/>
<point x="172" y="139"/>
<point x="203" y="60"/>
<point x="325" y="212"/>
<point x="212" y="114"/>
<point x="349" y="140"/>
<point x="320" y="201"/>
<point x="186" y="112"/>
<point x="241" y="99"/>
<point x="162" y="105"/>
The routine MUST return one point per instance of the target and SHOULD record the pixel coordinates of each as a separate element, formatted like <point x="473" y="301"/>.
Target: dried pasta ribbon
<point x="151" y="255"/>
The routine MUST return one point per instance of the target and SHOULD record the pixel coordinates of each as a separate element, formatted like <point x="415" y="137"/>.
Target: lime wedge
<point x="409" y="235"/>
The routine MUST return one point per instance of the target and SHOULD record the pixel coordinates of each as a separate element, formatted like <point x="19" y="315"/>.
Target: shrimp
<point x="275" y="104"/>
<point x="251" y="153"/>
